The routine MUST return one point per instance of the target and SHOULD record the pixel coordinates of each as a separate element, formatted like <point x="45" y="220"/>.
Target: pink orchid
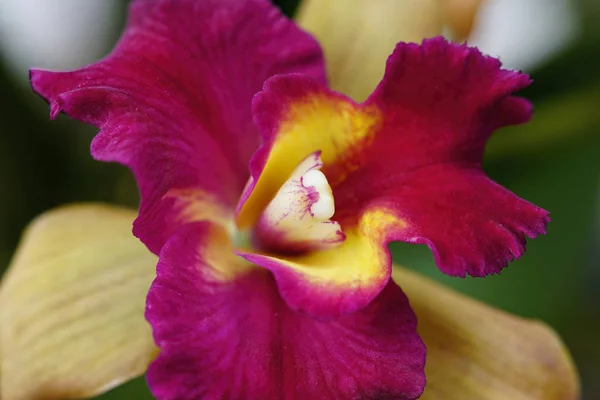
<point x="270" y="199"/>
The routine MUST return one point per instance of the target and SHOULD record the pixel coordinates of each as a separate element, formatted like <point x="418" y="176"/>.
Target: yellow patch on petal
<point x="356" y="262"/>
<point x="360" y="261"/>
<point x="357" y="36"/>
<point x="376" y="221"/>
<point x="196" y="205"/>
<point x="72" y="306"/>
<point x="217" y="251"/>
<point x="476" y="352"/>
<point x="336" y="127"/>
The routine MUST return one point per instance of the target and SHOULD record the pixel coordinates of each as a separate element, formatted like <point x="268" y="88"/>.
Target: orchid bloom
<point x="269" y="200"/>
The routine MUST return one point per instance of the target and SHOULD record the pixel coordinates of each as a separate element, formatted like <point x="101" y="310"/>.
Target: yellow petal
<point x="358" y="35"/>
<point x="72" y="306"/>
<point x="459" y="16"/>
<point x="475" y="352"/>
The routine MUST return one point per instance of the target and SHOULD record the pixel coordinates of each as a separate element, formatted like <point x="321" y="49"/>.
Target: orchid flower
<point x="267" y="203"/>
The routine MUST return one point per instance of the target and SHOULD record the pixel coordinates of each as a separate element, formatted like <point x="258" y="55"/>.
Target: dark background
<point x="553" y="162"/>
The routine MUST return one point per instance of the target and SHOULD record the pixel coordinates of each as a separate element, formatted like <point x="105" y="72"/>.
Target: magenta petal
<point x="237" y="339"/>
<point x="173" y="98"/>
<point x="473" y="225"/>
<point x="440" y="103"/>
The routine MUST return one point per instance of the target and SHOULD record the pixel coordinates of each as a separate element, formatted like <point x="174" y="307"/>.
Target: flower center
<point x="298" y="218"/>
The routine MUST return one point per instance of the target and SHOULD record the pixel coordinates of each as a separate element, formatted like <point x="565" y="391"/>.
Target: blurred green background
<point x="553" y="162"/>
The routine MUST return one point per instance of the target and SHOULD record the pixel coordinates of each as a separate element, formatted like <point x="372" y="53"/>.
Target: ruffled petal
<point x="476" y="352"/>
<point x="411" y="153"/>
<point x="441" y="102"/>
<point x="472" y="225"/>
<point x="237" y="339"/>
<point x="173" y="99"/>
<point x="72" y="306"/>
